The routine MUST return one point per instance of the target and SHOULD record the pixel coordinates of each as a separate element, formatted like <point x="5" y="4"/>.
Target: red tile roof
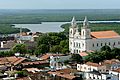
<point x="35" y="62"/>
<point x="92" y="64"/>
<point x="117" y="70"/>
<point x="112" y="61"/>
<point x="83" y="54"/>
<point x="104" y="34"/>
<point x="47" y="56"/>
<point x="65" y="73"/>
<point x="11" y="60"/>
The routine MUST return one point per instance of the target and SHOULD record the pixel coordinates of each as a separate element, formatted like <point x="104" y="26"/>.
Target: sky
<point x="59" y="4"/>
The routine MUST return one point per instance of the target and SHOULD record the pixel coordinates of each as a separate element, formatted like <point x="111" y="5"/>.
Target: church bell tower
<point x="85" y="30"/>
<point x="73" y="29"/>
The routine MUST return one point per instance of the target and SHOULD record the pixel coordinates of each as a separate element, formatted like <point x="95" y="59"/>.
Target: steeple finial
<point x="85" y="23"/>
<point x="73" y="22"/>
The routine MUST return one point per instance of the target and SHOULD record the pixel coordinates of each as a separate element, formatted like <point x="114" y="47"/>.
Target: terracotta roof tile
<point x="35" y="62"/>
<point x="92" y="64"/>
<point x="112" y="61"/>
<point x="104" y="34"/>
<point x="65" y="73"/>
<point x="83" y="54"/>
<point x="11" y="60"/>
<point x="46" y="56"/>
<point x="117" y="70"/>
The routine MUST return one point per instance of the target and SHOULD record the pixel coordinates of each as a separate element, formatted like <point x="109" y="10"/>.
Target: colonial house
<point x="10" y="62"/>
<point x="115" y="73"/>
<point x="100" y="71"/>
<point x="87" y="40"/>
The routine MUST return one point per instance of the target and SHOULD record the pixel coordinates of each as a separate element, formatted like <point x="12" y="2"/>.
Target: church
<point x="86" y="40"/>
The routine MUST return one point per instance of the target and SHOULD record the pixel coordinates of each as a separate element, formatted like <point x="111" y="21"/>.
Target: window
<point x="118" y="42"/>
<point x="71" y="31"/>
<point x="114" y="43"/>
<point x="83" y="44"/>
<point x="84" y="67"/>
<point x="74" y="44"/>
<point x="97" y="44"/>
<point x="105" y="44"/>
<point x="77" y="51"/>
<point x="74" y="51"/>
<point x="101" y="44"/>
<point x="71" y="43"/>
<point x="93" y="45"/>
<point x="79" y="45"/>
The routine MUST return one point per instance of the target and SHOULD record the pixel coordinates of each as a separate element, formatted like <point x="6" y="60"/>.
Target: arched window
<point x="79" y="45"/>
<point x="101" y="44"/>
<point x="71" y="31"/>
<point x="97" y="44"/>
<point x="114" y="43"/>
<point x="74" y="44"/>
<point x="93" y="45"/>
<point x="105" y="44"/>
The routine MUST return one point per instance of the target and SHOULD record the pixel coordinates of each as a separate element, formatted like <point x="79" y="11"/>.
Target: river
<point x="50" y="26"/>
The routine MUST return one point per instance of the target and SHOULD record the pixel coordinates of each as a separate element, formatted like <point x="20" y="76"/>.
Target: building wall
<point x="80" y="45"/>
<point x="86" y="68"/>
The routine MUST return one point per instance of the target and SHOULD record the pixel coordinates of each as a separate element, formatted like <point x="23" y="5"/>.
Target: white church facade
<point x="86" y="40"/>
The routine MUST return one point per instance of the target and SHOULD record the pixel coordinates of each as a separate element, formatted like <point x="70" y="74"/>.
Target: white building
<point x="115" y="74"/>
<point x="87" y="40"/>
<point x="57" y="62"/>
<point x="89" y="66"/>
<point x="106" y="70"/>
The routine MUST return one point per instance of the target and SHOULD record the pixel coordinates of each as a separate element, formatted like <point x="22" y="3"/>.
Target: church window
<point x="118" y="42"/>
<point x="74" y="44"/>
<point x="83" y="44"/>
<point x="114" y="43"/>
<point x="105" y="43"/>
<point x="71" y="31"/>
<point x="79" y="45"/>
<point x="71" y="43"/>
<point x="97" y="44"/>
<point x="93" y="45"/>
<point x="77" y="51"/>
<point x="74" y="51"/>
<point x="101" y="44"/>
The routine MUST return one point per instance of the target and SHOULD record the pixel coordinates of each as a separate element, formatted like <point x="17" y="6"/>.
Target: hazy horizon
<point x="59" y="4"/>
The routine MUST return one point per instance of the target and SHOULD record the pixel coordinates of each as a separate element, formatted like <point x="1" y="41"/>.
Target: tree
<point x="56" y="49"/>
<point x="76" y="58"/>
<point x="21" y="48"/>
<point x="44" y="39"/>
<point x="115" y="52"/>
<point x="65" y="46"/>
<point x="55" y="40"/>
<point x="43" y="48"/>
<point x="106" y="48"/>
